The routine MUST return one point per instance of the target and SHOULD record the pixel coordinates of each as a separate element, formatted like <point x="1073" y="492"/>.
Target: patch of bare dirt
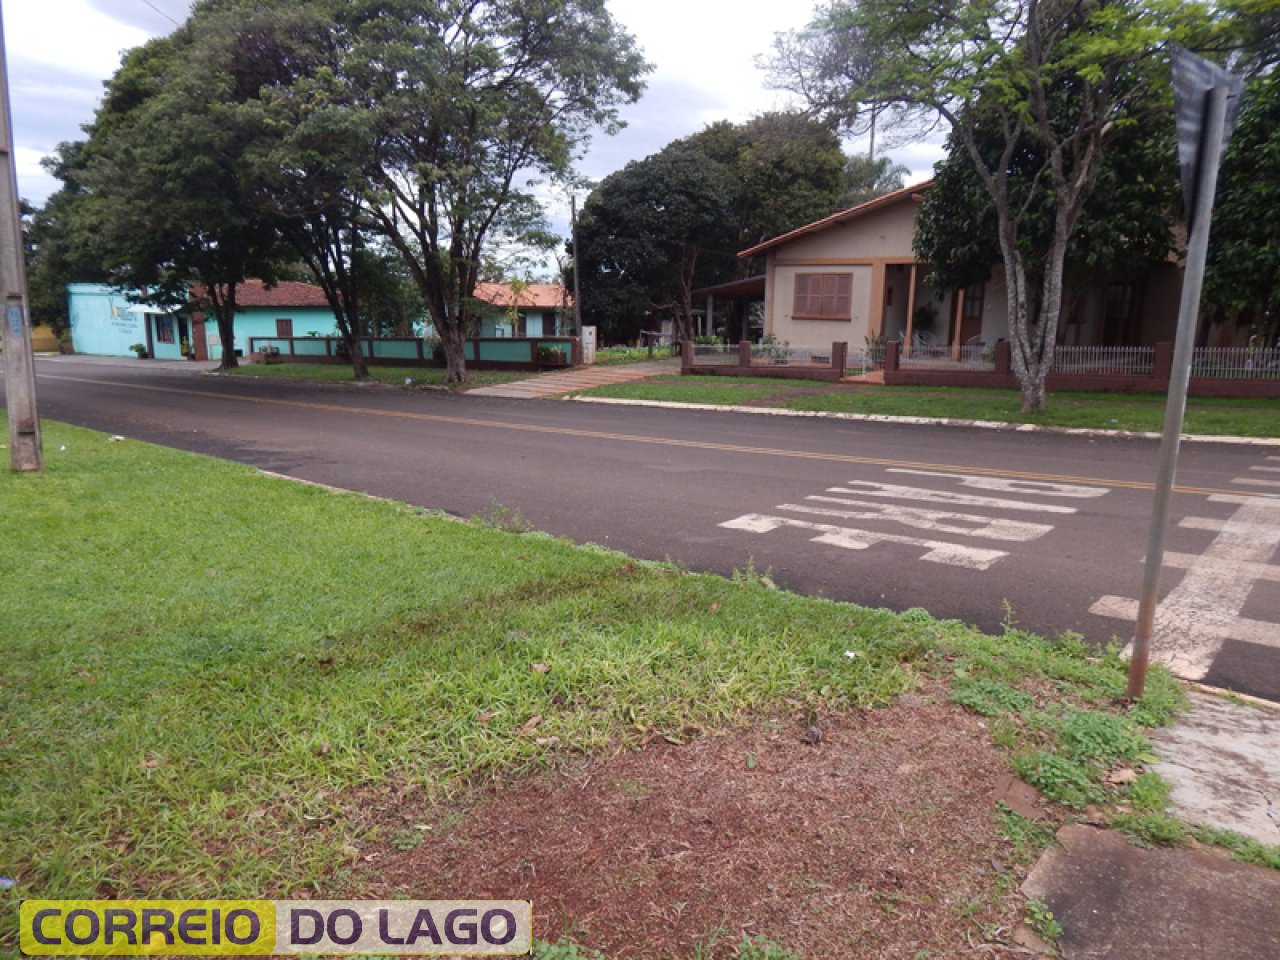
<point x="879" y="840"/>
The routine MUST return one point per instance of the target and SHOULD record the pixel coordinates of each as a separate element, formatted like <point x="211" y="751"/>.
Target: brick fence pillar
<point x="1162" y="368"/>
<point x="744" y="353"/>
<point x="839" y="356"/>
<point x="686" y="356"/>
<point x="1004" y="359"/>
<point x="892" y="350"/>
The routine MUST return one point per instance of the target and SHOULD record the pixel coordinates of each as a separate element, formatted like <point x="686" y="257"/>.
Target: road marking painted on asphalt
<point x="936" y="551"/>
<point x="871" y="488"/>
<point x="630" y="438"/>
<point x="932" y="520"/>
<point x="947" y="522"/>
<point x="1008" y="485"/>
<point x="1204" y="610"/>
<point x="1255" y="482"/>
<point x="1266" y="469"/>
<point x="937" y="521"/>
<point x="1256" y="571"/>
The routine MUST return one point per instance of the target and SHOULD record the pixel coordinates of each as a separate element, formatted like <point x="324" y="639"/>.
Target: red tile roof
<point x="286" y="293"/>
<point x="547" y="296"/>
<point x="852" y="213"/>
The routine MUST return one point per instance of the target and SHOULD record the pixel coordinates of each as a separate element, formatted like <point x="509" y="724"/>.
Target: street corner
<point x="1121" y="902"/>
<point x="1221" y="760"/>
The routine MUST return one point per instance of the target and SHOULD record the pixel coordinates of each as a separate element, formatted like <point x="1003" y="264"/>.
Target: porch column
<point x="911" y="311"/>
<point x="709" y="320"/>
<point x="955" y="337"/>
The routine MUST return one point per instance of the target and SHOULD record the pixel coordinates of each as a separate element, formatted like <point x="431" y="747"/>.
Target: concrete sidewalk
<point x="581" y="378"/>
<point x="1121" y="902"/>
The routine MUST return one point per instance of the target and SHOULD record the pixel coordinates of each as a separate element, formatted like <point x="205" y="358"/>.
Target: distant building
<point x="108" y="321"/>
<point x="522" y="310"/>
<point x="854" y="275"/>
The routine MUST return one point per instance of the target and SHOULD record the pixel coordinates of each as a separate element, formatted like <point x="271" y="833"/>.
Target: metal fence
<point x="1236" y="362"/>
<point x="715" y="354"/>
<point x="978" y="356"/>
<point x="783" y="354"/>
<point x="1121" y="361"/>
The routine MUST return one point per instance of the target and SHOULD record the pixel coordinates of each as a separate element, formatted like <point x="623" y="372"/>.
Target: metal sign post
<point x="19" y="369"/>
<point x="1203" y="93"/>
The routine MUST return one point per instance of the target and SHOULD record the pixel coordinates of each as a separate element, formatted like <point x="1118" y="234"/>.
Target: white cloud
<point x="69" y="33"/>
<point x="704" y="53"/>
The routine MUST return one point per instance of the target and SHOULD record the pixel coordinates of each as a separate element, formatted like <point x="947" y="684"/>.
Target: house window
<point x="284" y="327"/>
<point x="973" y="296"/>
<point x="164" y="329"/>
<point x="823" y="296"/>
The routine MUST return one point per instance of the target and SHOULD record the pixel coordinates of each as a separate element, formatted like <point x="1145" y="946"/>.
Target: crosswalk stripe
<point x="991" y="528"/>
<point x="936" y="551"/>
<point x="870" y="488"/>
<point x="1007" y="485"/>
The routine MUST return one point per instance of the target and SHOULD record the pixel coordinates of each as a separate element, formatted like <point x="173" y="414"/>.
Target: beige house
<point x="853" y="276"/>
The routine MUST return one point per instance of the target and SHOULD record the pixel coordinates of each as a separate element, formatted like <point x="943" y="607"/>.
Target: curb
<point x="927" y="421"/>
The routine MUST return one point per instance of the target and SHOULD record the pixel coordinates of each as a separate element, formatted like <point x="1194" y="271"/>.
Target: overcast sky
<point x="704" y="52"/>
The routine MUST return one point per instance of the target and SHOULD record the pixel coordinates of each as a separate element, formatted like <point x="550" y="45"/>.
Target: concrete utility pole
<point x="577" y="289"/>
<point x="19" y="369"/>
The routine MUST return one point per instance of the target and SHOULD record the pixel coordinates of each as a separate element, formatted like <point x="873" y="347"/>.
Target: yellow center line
<point x="665" y="441"/>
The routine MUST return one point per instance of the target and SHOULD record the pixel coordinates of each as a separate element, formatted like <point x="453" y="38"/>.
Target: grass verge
<point x="395" y="376"/>
<point x="1102" y="411"/>
<point x="203" y="664"/>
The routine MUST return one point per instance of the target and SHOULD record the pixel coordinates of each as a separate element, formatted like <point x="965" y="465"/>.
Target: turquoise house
<point x="521" y="310"/>
<point x="105" y="322"/>
<point x="285" y="309"/>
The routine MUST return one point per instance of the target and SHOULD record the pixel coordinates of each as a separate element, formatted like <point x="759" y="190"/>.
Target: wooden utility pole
<point x="19" y="369"/>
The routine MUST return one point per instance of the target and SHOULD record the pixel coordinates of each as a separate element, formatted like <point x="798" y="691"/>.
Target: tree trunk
<point x="227" y="333"/>
<point x="359" y="367"/>
<point x="453" y="342"/>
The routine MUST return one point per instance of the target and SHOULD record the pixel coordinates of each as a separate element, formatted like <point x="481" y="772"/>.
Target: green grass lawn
<point x="1105" y="411"/>
<point x="341" y="373"/>
<point x="206" y="669"/>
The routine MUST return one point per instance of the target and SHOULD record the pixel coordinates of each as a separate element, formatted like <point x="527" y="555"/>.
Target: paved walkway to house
<point x="580" y="378"/>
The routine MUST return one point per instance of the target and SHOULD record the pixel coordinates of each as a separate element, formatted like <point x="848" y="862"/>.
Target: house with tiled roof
<point x="284" y="309"/>
<point x="108" y="321"/>
<point x="521" y="309"/>
<point x="854" y="276"/>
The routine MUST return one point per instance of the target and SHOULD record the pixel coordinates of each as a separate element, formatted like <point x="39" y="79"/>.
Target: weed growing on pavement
<point x="1242" y="848"/>
<point x="1029" y="838"/>
<point x="1041" y="920"/>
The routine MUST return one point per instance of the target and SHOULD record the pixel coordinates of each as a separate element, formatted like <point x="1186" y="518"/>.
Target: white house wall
<point x="820" y="333"/>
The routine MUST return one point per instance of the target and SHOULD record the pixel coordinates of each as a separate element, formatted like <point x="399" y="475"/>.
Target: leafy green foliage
<point x="1030" y="838"/>
<point x="1035" y="95"/>
<point x="990" y="697"/>
<point x="1245" y="849"/>
<point x="866" y="178"/>
<point x="1244" y="259"/>
<point x="674" y="221"/>
<point x="167" y="202"/>
<point x="649" y="235"/>
<point x="1059" y="778"/>
<point x="1101" y="739"/>
<point x="1041" y="919"/>
<point x="1126" y="222"/>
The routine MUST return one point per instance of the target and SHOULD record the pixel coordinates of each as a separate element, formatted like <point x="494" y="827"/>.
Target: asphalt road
<point x="984" y="526"/>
